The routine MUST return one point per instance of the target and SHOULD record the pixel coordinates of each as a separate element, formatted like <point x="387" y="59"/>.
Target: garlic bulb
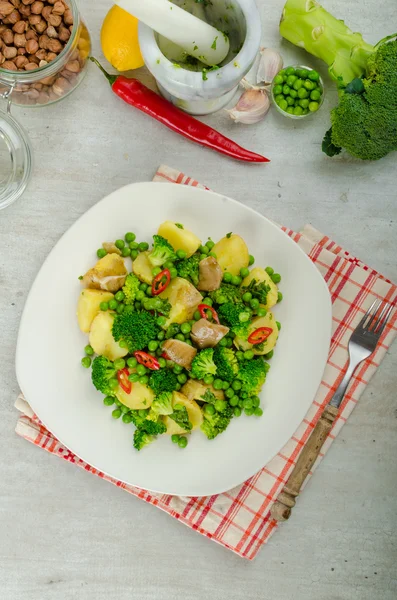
<point x="251" y="108"/>
<point x="270" y="64"/>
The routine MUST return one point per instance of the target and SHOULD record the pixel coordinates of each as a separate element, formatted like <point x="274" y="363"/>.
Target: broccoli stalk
<point x="203" y="364"/>
<point x="308" y="25"/>
<point x="161" y="252"/>
<point x="103" y="375"/>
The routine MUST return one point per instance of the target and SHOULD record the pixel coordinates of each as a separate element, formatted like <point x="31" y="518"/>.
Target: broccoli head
<point x="252" y="374"/>
<point x="215" y="424"/>
<point x="158" y="305"/>
<point x="236" y="317"/>
<point x="141" y="420"/>
<point x="226" y="363"/>
<point x="136" y="329"/>
<point x="181" y="417"/>
<point x="188" y="268"/>
<point x="142" y="439"/>
<point x="163" y="380"/>
<point x="203" y="364"/>
<point x="161" y="405"/>
<point x="130" y="288"/>
<point x="104" y="375"/>
<point x="227" y="293"/>
<point x="161" y="252"/>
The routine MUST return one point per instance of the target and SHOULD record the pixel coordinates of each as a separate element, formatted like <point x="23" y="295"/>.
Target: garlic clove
<point x="270" y="63"/>
<point x="252" y="107"/>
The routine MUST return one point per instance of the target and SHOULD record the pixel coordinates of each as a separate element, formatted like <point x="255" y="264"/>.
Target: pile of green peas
<point x="297" y="91"/>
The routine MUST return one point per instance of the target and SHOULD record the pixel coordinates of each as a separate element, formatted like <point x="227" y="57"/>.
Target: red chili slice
<point x="147" y="360"/>
<point x="203" y="312"/>
<point x="259" y="335"/>
<point x="124" y="382"/>
<point x="165" y="355"/>
<point x="161" y="282"/>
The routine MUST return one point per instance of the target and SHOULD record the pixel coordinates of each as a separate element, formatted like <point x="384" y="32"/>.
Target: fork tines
<point x="376" y="317"/>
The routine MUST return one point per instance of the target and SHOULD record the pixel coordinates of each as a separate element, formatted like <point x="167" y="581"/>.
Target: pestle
<point x="197" y="38"/>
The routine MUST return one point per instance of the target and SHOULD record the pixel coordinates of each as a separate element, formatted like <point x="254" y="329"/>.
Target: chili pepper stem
<point x="111" y="78"/>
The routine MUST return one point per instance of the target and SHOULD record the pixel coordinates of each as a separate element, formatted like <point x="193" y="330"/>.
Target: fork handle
<point x="281" y="509"/>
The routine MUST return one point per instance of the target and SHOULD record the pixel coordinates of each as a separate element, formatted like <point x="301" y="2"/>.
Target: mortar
<point x="188" y="83"/>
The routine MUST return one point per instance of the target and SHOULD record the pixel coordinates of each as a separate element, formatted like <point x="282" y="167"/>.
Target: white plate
<point x="50" y="345"/>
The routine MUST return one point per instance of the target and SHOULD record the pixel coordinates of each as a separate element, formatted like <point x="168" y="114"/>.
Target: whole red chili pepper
<point x="147" y="360"/>
<point x="161" y="282"/>
<point x="260" y="335"/>
<point x="135" y="93"/>
<point x="202" y="308"/>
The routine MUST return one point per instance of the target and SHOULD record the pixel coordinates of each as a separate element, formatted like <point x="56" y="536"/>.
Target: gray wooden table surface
<point x="67" y="535"/>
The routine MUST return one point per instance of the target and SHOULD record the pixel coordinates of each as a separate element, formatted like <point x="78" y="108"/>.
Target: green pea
<point x="108" y="401"/>
<point x="213" y="255"/>
<point x="254" y="303"/>
<point x="218" y="384"/>
<point x="144" y="380"/>
<point x="243" y="395"/>
<point x="116" y="414"/>
<point x="236" y="385"/>
<point x="315" y="95"/>
<point x="244" y="272"/>
<point x="237" y="411"/>
<point x="141" y="370"/>
<point x="313" y="106"/>
<point x="120" y="308"/>
<point x="104" y="305"/>
<point x="279" y="297"/>
<point x="178" y="369"/>
<point x="182" y="378"/>
<point x="142" y="412"/>
<point x="186" y="328"/>
<point x="162" y="362"/>
<point x="278" y="89"/>
<point x="120" y="296"/>
<point x="119" y="244"/>
<point x="283" y="105"/>
<point x="153" y="345"/>
<point x="143" y="246"/>
<point x="247" y="403"/>
<point x="229" y="393"/>
<point x="302" y="93"/>
<point x="126" y="252"/>
<point x="119" y="364"/>
<point x="227" y="277"/>
<point x="278" y="79"/>
<point x="278" y="325"/>
<point x="290" y="110"/>
<point x="127" y="418"/>
<point x="293" y="93"/>
<point x="239" y="355"/>
<point x="304" y="103"/>
<point x="276" y="278"/>
<point x="313" y="75"/>
<point x="309" y="85"/>
<point x="204" y="249"/>
<point x="113" y="304"/>
<point x="236" y="280"/>
<point x="244" y="317"/>
<point x="220" y="405"/>
<point x="305" y="111"/>
<point x="175" y="438"/>
<point x="298" y="111"/>
<point x="290" y="101"/>
<point x="156" y="271"/>
<point x="86" y="362"/>
<point x="247" y="296"/>
<point x="209" y="409"/>
<point x="269" y="355"/>
<point x="134" y="245"/>
<point x="226" y="385"/>
<point x="101" y="253"/>
<point x="173" y="273"/>
<point x="180" y="337"/>
<point x="303" y="73"/>
<point x="249" y="355"/>
<point x="249" y="411"/>
<point x="255" y="401"/>
<point x="297" y="85"/>
<point x="291" y="80"/>
<point x="234" y="400"/>
<point x="207" y="301"/>
<point x="161" y="321"/>
<point x="197" y="315"/>
<point x="210" y="244"/>
<point x="278" y="98"/>
<point x="182" y="442"/>
<point x="134" y="377"/>
<point x="132" y="362"/>
<point x="286" y="89"/>
<point x="290" y="71"/>
<point x="129" y="237"/>
<point x="261" y="312"/>
<point x="181" y="254"/>
<point x="89" y="350"/>
<point x="258" y="412"/>
<point x="113" y="384"/>
<point x="134" y="254"/>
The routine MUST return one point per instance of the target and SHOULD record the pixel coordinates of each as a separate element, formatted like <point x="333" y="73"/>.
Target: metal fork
<point x="362" y="344"/>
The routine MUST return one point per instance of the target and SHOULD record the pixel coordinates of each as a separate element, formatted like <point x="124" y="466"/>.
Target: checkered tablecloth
<point x="240" y="518"/>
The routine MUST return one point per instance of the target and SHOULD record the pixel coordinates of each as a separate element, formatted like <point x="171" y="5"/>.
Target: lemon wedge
<point x="119" y="40"/>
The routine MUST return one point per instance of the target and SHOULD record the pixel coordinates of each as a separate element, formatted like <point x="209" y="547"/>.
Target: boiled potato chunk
<point x="101" y="338"/>
<point x="260" y="276"/>
<point x="184" y="299"/>
<point x="267" y="321"/>
<point x="108" y="274"/>
<point x="142" y="268"/>
<point x="88" y="306"/>
<point x="193" y="410"/>
<point x="180" y="239"/>
<point x="139" y="397"/>
<point x="195" y="390"/>
<point x="232" y="254"/>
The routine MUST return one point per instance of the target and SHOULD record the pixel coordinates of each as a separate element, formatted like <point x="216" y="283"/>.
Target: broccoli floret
<point x="227" y="293"/>
<point x="103" y="372"/>
<point x="236" y="317"/>
<point x="161" y="252"/>
<point x="181" y="417"/>
<point x="215" y="424"/>
<point x="188" y="268"/>
<point x="259" y="290"/>
<point x="130" y="288"/>
<point x="203" y="364"/>
<point x="158" y="305"/>
<point x="226" y="363"/>
<point x="136" y="329"/>
<point x="141" y="420"/>
<point x="252" y="374"/>
<point x="209" y="397"/>
<point x="163" y="380"/>
<point x="162" y="405"/>
<point x="142" y="439"/>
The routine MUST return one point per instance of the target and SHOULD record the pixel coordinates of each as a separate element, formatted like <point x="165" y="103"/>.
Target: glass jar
<point x="48" y="83"/>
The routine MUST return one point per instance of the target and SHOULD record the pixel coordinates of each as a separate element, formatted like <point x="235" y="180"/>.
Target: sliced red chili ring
<point x="260" y="335"/>
<point x="147" y="360"/>
<point x="202" y="308"/>
<point x="123" y="380"/>
<point x="161" y="282"/>
<point x="165" y="355"/>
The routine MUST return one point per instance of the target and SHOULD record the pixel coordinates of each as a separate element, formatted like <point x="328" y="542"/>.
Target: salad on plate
<point x="180" y="332"/>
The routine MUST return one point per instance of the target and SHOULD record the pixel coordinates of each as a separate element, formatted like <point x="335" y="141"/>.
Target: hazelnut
<point x="31" y="35"/>
<point x="63" y="34"/>
<point x="51" y="1"/>
<point x="61" y="86"/>
<point x="20" y="40"/>
<point x="43" y="41"/>
<point x="43" y="98"/>
<point x="33" y="94"/>
<point x="54" y="46"/>
<point x="30" y="66"/>
<point x="9" y="65"/>
<point x="20" y="27"/>
<point x="54" y="20"/>
<point x="9" y="52"/>
<point x="68" y="17"/>
<point x="32" y="46"/>
<point x="24" y="10"/>
<point x="51" y="32"/>
<point x="51" y="56"/>
<point x="43" y="63"/>
<point x="27" y="2"/>
<point x="48" y="80"/>
<point x="6" y="8"/>
<point x="59" y="8"/>
<point x="21" y="51"/>
<point x="41" y="26"/>
<point x="8" y="37"/>
<point x="41" y="54"/>
<point x="16" y="3"/>
<point x="21" y="61"/>
<point x="47" y="10"/>
<point x="14" y="17"/>
<point x="73" y="66"/>
<point x="34" y="19"/>
<point x="37" y="7"/>
<point x="2" y="59"/>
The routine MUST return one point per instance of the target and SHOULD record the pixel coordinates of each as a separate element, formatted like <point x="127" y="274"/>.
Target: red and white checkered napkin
<point x="240" y="518"/>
